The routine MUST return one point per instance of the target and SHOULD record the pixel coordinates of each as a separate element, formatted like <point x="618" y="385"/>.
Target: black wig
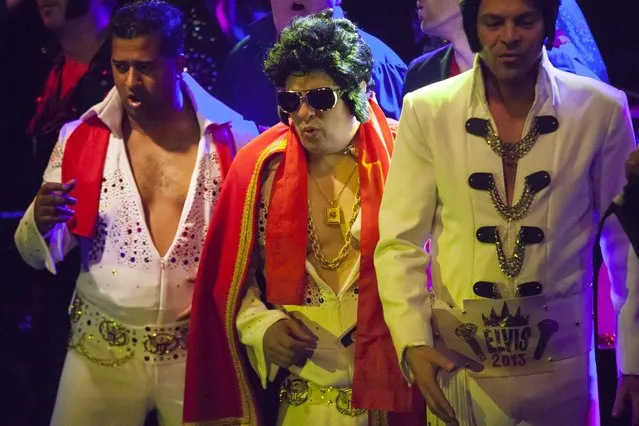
<point x="320" y="43"/>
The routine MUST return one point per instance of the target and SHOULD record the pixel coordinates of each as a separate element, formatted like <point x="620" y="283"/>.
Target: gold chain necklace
<point x="344" y="251"/>
<point x="511" y="266"/>
<point x="332" y="213"/>
<point x="511" y="152"/>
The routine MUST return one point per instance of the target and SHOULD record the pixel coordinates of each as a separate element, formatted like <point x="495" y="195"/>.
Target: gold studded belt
<point x="295" y="391"/>
<point x="107" y="342"/>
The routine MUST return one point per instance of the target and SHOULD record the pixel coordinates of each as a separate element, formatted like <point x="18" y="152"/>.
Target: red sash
<point x="453" y="68"/>
<point x="218" y="375"/>
<point x="224" y="143"/>
<point x="83" y="160"/>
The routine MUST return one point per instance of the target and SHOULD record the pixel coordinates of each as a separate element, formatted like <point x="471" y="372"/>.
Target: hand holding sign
<point x="286" y="343"/>
<point x="424" y="362"/>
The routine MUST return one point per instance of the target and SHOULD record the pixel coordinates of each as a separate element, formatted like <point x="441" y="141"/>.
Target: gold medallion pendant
<point x="332" y="215"/>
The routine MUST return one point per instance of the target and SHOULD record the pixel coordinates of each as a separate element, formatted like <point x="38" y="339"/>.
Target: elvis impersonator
<point x="287" y="270"/>
<point x="133" y="183"/>
<point x="507" y="168"/>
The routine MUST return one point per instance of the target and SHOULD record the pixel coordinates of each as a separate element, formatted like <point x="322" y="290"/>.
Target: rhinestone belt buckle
<point x="113" y="333"/>
<point x="344" y="403"/>
<point x="76" y="309"/>
<point x="161" y="343"/>
<point x="295" y="392"/>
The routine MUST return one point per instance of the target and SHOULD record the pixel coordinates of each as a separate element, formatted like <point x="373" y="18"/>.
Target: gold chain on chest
<point x="515" y="212"/>
<point x="332" y="213"/>
<point x="511" y="152"/>
<point x="346" y="248"/>
<point x="511" y="266"/>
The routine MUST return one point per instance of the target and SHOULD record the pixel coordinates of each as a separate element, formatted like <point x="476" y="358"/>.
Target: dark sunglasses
<point x="321" y="99"/>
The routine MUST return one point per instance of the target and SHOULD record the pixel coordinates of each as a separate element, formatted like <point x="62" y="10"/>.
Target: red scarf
<point x="83" y="160"/>
<point x="453" y="67"/>
<point x="286" y="232"/>
<point x="217" y="382"/>
<point x="54" y="105"/>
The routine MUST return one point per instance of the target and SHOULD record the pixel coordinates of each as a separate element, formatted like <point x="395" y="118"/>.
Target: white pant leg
<point x="566" y="396"/>
<point x="90" y="394"/>
<point x="169" y="392"/>
<point x="317" y="415"/>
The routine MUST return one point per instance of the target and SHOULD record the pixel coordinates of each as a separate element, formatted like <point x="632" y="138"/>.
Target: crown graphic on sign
<point x="505" y="319"/>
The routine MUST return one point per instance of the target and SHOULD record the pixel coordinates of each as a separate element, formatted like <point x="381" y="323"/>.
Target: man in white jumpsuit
<point x="143" y="169"/>
<point x="287" y="271"/>
<point x="507" y="168"/>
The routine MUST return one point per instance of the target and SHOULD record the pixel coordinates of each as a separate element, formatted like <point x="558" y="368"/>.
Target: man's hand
<point x="632" y="168"/>
<point x="186" y="314"/>
<point x="627" y="393"/>
<point x="286" y="342"/>
<point x="424" y="362"/>
<point x="50" y="206"/>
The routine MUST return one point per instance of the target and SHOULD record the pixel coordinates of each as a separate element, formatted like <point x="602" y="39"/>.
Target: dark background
<point x="614" y="24"/>
<point x="22" y="71"/>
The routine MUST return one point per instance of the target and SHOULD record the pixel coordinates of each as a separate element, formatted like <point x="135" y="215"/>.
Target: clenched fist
<point x="51" y="205"/>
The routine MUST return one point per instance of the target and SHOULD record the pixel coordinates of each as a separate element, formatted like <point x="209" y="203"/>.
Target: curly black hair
<point x="470" y="11"/>
<point x="146" y="17"/>
<point x="319" y="42"/>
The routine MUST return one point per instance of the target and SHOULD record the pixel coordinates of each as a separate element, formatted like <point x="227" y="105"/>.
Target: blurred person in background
<point x="254" y="96"/>
<point x="573" y="50"/>
<point x="132" y="185"/>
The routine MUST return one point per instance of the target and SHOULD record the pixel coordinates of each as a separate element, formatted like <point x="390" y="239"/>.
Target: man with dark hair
<point x="287" y="273"/>
<point x="81" y="74"/>
<point x="132" y="183"/>
<point x="509" y="166"/>
<point x="571" y="48"/>
<point x="73" y="69"/>
<point x="254" y="96"/>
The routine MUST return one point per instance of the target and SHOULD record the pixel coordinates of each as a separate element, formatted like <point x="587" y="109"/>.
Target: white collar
<point x="209" y="111"/>
<point x="545" y="87"/>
